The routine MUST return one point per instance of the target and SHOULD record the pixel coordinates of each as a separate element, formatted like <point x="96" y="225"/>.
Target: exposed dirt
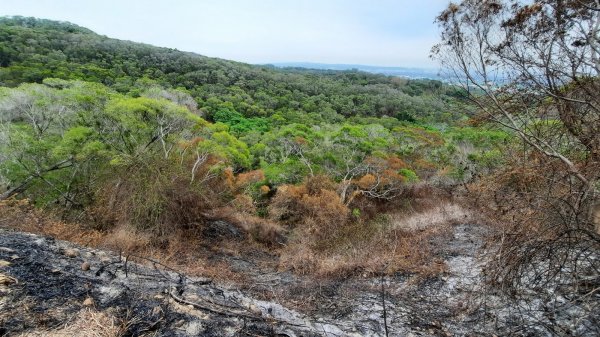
<point x="49" y="287"/>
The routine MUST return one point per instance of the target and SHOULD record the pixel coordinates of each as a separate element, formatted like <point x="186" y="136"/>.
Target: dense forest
<point x="120" y="132"/>
<point x="289" y="123"/>
<point x="34" y="49"/>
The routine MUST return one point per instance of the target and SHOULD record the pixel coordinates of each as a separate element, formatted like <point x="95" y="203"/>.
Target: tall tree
<point x="532" y="67"/>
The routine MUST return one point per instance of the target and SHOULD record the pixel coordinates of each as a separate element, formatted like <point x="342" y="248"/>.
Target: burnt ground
<point x="43" y="286"/>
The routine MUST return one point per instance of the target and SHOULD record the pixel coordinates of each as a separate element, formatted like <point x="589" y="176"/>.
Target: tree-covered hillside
<point x="155" y="138"/>
<point x="33" y="49"/>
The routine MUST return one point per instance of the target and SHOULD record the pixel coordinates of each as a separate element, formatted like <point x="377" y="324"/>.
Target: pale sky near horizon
<point x="375" y="32"/>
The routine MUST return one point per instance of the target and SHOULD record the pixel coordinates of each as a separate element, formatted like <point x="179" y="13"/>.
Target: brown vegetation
<point x="86" y="323"/>
<point x="330" y="240"/>
<point x="320" y="235"/>
<point x="159" y="197"/>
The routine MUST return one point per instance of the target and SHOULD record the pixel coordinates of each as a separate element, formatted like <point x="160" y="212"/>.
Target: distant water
<point x="413" y="73"/>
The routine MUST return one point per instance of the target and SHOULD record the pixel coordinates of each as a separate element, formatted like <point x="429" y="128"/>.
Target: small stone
<point x="55" y="271"/>
<point x="159" y="297"/>
<point x="4" y="263"/>
<point x="71" y="252"/>
<point x="6" y="250"/>
<point x="105" y="258"/>
<point x="85" y="266"/>
<point x="190" y="306"/>
<point x="15" y="257"/>
<point x="88" y="302"/>
<point x="255" y="309"/>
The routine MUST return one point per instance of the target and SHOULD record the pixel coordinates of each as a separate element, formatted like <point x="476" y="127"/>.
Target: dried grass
<point x="127" y="239"/>
<point x="390" y="244"/>
<point x="87" y="323"/>
<point x="21" y="215"/>
<point x="322" y="243"/>
<point x="440" y="215"/>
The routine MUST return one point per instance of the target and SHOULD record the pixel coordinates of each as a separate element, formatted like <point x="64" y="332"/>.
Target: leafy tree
<point x="41" y="137"/>
<point x="72" y="126"/>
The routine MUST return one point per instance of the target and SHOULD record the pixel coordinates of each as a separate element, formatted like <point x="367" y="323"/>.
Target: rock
<point x="6" y="250"/>
<point x="71" y="252"/>
<point x="104" y="258"/>
<point x="159" y="297"/>
<point x="15" y="257"/>
<point x="85" y="266"/>
<point x="88" y="302"/>
<point x="4" y="263"/>
<point x="255" y="309"/>
<point x="55" y="271"/>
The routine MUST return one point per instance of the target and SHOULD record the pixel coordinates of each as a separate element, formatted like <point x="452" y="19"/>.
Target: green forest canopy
<point x="75" y="105"/>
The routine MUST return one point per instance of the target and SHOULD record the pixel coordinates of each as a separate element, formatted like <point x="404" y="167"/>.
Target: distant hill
<point x="33" y="49"/>
<point x="412" y="73"/>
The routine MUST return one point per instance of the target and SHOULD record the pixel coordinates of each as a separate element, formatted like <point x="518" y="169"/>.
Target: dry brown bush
<point x="321" y="238"/>
<point x="326" y="240"/>
<point x="261" y="230"/>
<point x="402" y="241"/>
<point x="314" y="204"/>
<point x="244" y="179"/>
<point x="544" y="245"/>
<point x="158" y="195"/>
<point x="244" y="204"/>
<point x="23" y="216"/>
<point x="316" y="184"/>
<point x="324" y="212"/>
<point x="127" y="239"/>
<point x="286" y="207"/>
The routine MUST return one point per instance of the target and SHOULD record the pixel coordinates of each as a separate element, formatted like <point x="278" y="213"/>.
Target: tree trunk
<point x="17" y="189"/>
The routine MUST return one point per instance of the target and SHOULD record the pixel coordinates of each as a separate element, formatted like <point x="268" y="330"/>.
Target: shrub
<point x="156" y="194"/>
<point x="410" y="175"/>
<point x="315" y="204"/>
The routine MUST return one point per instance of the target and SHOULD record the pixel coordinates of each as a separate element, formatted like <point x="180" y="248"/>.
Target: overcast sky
<point x="372" y="32"/>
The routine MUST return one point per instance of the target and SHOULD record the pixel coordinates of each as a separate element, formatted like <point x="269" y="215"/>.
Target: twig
<point x="383" y="304"/>
<point x="213" y="310"/>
